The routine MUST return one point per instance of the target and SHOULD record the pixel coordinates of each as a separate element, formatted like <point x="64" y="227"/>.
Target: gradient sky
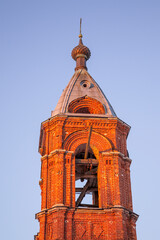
<point x="36" y="39"/>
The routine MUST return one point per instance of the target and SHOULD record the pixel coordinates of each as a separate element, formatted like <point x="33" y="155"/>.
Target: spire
<point x="80" y="34"/>
<point x="81" y="53"/>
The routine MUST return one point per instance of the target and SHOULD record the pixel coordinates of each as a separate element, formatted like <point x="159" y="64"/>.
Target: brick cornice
<point x="121" y="155"/>
<point x="58" y="207"/>
<point x="55" y="208"/>
<point x="45" y="157"/>
<point x="59" y="119"/>
<point x="59" y="151"/>
<point x="121" y="208"/>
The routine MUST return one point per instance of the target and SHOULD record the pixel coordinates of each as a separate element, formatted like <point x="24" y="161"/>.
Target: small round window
<point x="85" y="84"/>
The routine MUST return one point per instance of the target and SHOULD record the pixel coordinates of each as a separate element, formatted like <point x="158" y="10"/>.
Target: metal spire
<point x="80" y="34"/>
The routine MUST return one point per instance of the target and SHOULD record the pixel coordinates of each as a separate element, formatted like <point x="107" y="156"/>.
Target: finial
<point x="80" y="53"/>
<point x="80" y="34"/>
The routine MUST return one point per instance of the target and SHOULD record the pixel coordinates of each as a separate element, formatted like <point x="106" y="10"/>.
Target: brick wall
<point x="59" y="219"/>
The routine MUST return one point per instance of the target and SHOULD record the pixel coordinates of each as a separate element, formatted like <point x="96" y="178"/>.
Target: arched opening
<point x="86" y="166"/>
<point x="86" y="105"/>
<point x="86" y="177"/>
<point x="80" y="152"/>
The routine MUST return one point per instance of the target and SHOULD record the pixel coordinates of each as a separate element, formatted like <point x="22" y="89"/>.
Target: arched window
<point x="86" y="177"/>
<point x="86" y="105"/>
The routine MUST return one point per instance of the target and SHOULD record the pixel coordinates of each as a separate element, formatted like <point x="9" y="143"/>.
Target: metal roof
<point x="80" y="85"/>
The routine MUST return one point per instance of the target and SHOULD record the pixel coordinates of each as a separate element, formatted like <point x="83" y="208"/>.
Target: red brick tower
<point x="84" y="153"/>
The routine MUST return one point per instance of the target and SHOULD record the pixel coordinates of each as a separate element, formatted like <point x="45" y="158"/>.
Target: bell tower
<point x="85" y="166"/>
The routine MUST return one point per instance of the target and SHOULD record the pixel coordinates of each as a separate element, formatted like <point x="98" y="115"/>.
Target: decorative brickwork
<point x="86" y="105"/>
<point x="86" y="145"/>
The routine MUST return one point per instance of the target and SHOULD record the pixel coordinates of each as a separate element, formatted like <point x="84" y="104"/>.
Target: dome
<point x="81" y="51"/>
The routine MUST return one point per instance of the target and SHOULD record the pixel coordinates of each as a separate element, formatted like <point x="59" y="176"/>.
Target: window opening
<point x="86" y="176"/>
<point x="86" y="105"/>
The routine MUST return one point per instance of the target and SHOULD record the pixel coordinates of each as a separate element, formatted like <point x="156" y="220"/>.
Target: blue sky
<point x="36" y="39"/>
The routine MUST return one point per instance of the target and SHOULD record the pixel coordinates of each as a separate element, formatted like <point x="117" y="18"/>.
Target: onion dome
<point x="80" y="53"/>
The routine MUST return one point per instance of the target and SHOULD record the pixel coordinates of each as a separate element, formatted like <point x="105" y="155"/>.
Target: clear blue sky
<point x="36" y="39"/>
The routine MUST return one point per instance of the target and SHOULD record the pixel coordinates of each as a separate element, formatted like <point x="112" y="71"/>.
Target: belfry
<point x="85" y="166"/>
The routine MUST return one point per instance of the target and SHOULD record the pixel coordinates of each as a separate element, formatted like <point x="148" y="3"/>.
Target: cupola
<point x="82" y="94"/>
<point x="81" y="53"/>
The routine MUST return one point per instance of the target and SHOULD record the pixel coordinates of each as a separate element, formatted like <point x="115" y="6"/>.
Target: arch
<point x="86" y="105"/>
<point x="97" y="141"/>
<point x="86" y="169"/>
<point x="80" y="151"/>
